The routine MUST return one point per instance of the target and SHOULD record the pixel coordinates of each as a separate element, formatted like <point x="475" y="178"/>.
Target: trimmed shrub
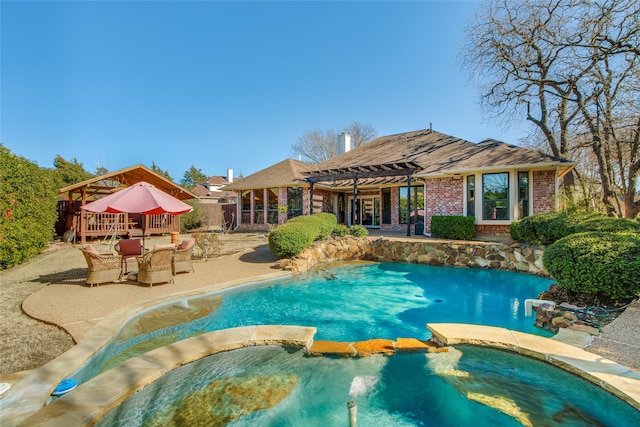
<point x="323" y="222"/>
<point x="290" y="239"/>
<point x="294" y="236"/>
<point x="453" y="227"/>
<point x="358" y="231"/>
<point x="542" y="228"/>
<point x="606" y="224"/>
<point x="28" y="208"/>
<point x="340" y="230"/>
<point x="550" y="227"/>
<point x="596" y="263"/>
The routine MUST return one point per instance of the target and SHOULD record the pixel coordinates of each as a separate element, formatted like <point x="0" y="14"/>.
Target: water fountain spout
<point x="353" y="413"/>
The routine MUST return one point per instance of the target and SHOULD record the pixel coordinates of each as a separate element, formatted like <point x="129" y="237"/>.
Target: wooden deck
<point x="91" y="225"/>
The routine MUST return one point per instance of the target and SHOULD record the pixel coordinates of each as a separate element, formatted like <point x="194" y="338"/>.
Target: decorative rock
<point x="472" y="254"/>
<point x="376" y="346"/>
<point x="561" y="322"/>
<point x="333" y="348"/>
<point x="416" y="345"/>
<point x="544" y="315"/>
<point x="224" y="401"/>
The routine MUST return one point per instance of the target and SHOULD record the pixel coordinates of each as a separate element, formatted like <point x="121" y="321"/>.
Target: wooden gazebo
<point x="82" y="224"/>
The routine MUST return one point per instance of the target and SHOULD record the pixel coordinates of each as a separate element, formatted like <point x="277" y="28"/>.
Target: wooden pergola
<point x="86" y="224"/>
<point x="371" y="174"/>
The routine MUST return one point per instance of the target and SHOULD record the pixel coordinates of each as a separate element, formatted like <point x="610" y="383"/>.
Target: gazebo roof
<point x="108" y="183"/>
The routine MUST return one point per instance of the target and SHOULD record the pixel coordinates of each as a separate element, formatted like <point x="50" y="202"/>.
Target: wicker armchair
<point x="129" y="249"/>
<point x="102" y="268"/>
<point x="182" y="258"/>
<point x="156" y="266"/>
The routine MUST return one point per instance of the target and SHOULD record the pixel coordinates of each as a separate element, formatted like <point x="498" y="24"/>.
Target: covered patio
<point x="77" y="224"/>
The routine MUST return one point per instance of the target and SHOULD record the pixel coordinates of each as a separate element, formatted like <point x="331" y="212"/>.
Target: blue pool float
<point x="65" y="387"/>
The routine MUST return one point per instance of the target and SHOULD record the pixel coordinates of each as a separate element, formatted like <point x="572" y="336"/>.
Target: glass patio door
<point x="367" y="213"/>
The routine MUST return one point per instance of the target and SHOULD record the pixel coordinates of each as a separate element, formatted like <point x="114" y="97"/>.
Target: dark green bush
<point x="323" y="222"/>
<point x="192" y="220"/>
<point x="291" y="238"/>
<point x="596" y="263"/>
<point x="542" y="228"/>
<point x="550" y="227"/>
<point x="358" y="231"/>
<point x="294" y="236"/>
<point x="453" y="227"/>
<point x="28" y="208"/>
<point x="340" y="230"/>
<point x="606" y="224"/>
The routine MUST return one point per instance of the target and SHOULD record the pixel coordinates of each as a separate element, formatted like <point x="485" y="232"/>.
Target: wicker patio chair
<point x="129" y="249"/>
<point x="182" y="258"/>
<point x="156" y="266"/>
<point x="102" y="268"/>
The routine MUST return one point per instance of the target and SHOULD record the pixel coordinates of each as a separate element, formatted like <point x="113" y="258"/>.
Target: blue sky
<point x="226" y="84"/>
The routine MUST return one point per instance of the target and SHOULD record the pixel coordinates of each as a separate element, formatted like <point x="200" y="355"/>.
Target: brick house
<point x="398" y="182"/>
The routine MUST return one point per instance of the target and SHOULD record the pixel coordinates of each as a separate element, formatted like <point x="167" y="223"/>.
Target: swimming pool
<point x="465" y="386"/>
<point x="352" y="302"/>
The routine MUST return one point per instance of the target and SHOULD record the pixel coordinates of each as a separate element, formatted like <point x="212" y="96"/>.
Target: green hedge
<point x="28" y="208"/>
<point x="453" y="227"/>
<point x="550" y="227"/>
<point x="596" y="263"/>
<point x="358" y="231"/>
<point x="294" y="236"/>
<point x="340" y="230"/>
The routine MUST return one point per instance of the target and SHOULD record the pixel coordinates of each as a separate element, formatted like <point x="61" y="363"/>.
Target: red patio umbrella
<point x="141" y="198"/>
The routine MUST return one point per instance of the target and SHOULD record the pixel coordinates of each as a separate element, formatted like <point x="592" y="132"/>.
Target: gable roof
<point x="110" y="182"/>
<point x="438" y="154"/>
<point x="288" y="172"/>
<point x="217" y="180"/>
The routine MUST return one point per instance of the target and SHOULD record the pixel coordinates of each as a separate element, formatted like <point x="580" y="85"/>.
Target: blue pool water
<point x="467" y="386"/>
<point x="364" y="301"/>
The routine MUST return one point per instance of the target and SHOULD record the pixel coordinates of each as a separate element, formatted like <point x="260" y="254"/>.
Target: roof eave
<point x="562" y="167"/>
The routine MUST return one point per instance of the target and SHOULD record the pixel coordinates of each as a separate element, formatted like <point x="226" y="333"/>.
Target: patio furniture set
<point x="159" y="265"/>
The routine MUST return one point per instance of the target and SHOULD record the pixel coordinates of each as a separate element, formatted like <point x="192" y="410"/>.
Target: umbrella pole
<point x="144" y="231"/>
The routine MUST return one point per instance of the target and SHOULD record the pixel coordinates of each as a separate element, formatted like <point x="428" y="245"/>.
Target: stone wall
<point x="516" y="257"/>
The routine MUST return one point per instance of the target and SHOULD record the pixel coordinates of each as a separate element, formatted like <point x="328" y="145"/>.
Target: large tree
<point x="192" y="177"/>
<point x="157" y="169"/>
<point x="318" y="145"/>
<point x="70" y="172"/>
<point x="572" y="68"/>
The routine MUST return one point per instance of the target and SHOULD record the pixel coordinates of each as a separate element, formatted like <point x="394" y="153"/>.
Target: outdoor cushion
<point x="90" y="249"/>
<point x="163" y="246"/>
<point x="129" y="247"/>
<point x="186" y="244"/>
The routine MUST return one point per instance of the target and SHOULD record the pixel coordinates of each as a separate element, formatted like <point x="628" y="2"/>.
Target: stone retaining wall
<point x="516" y="257"/>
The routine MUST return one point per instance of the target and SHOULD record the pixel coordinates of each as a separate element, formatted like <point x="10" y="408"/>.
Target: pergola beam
<point x="372" y="171"/>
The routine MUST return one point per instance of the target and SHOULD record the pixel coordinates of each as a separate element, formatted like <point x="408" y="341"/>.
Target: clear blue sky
<point x="226" y="84"/>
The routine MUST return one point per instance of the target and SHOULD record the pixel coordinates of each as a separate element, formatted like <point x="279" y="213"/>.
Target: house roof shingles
<point x="434" y="153"/>
<point x="437" y="153"/>
<point x="287" y="172"/>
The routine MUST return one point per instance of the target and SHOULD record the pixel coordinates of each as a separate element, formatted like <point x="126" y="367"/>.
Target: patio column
<point x="355" y="199"/>
<point x="408" y="205"/>
<point x="311" y="198"/>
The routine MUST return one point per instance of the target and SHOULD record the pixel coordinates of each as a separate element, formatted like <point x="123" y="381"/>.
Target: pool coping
<point x="618" y="380"/>
<point x="94" y="399"/>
